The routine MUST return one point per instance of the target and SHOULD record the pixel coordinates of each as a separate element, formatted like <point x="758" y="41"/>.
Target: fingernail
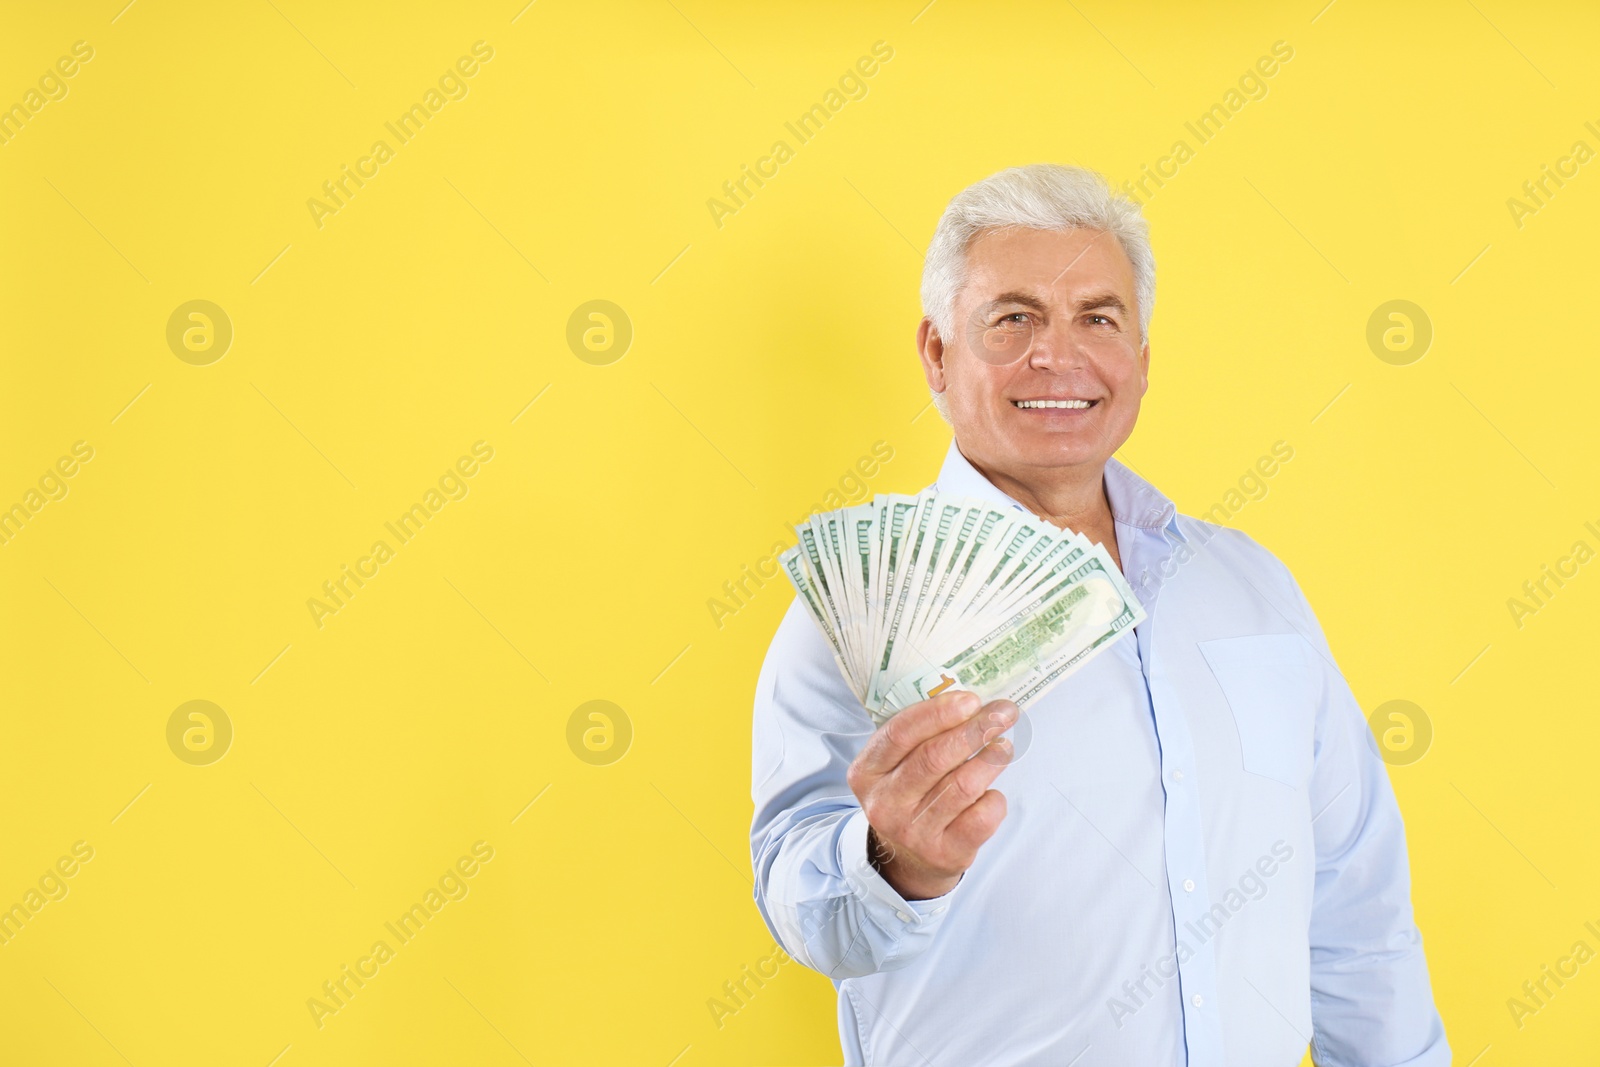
<point x="1001" y="717"/>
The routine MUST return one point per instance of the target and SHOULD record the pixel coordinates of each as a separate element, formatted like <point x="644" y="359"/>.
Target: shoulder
<point x="1231" y="547"/>
<point x="1234" y="558"/>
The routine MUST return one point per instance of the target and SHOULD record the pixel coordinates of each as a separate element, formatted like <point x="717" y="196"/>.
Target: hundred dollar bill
<point x="1035" y="647"/>
<point x="918" y="594"/>
<point x="971" y="535"/>
<point x="901" y="565"/>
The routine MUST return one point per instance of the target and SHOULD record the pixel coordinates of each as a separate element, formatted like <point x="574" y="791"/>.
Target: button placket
<point x="1185" y="850"/>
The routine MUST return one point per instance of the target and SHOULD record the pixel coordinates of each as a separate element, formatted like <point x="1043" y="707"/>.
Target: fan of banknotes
<point x="921" y="594"/>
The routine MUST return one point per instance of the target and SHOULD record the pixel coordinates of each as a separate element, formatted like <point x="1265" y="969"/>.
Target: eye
<point x="1102" y="318"/>
<point x="1013" y="322"/>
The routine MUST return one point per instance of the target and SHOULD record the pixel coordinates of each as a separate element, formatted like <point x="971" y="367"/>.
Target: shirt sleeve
<point x="1371" y="1000"/>
<point x="814" y="886"/>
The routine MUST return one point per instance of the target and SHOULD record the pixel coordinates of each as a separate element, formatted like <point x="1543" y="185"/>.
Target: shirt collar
<point x="1134" y="501"/>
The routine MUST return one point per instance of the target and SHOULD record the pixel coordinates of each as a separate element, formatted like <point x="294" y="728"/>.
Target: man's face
<point x="1067" y="298"/>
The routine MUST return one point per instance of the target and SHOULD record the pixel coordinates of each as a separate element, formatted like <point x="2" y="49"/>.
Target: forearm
<point x="826" y="904"/>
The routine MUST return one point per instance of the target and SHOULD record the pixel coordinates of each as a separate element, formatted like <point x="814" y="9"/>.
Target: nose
<point x="1054" y="348"/>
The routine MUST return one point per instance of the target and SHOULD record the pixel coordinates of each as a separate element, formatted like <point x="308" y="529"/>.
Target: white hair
<point x="1039" y="196"/>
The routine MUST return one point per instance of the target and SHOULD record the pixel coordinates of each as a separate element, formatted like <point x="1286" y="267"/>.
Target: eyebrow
<point x="1105" y="299"/>
<point x="1089" y="302"/>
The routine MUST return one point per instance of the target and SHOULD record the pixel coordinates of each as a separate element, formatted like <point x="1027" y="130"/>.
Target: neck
<point x="1068" y="496"/>
<point x="1073" y="497"/>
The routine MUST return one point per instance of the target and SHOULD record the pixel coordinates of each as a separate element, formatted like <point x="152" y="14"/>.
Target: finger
<point x="959" y="789"/>
<point x="926" y="767"/>
<point x="898" y="737"/>
<point x="968" y="831"/>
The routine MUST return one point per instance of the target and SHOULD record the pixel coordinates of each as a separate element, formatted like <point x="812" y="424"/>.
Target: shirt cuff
<point x="887" y="907"/>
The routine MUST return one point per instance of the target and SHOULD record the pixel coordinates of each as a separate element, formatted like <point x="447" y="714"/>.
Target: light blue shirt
<point x="1202" y="861"/>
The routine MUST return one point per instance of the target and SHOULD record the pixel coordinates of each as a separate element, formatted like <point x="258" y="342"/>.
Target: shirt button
<point x="1198" y="1001"/>
<point x="939" y="910"/>
<point x="903" y="916"/>
<point x="1188" y="885"/>
<point x="1177" y="776"/>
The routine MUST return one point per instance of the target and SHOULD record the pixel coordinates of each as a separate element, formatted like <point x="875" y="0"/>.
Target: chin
<point x="1060" y="454"/>
<point x="1050" y="448"/>
<point x="1064" y="447"/>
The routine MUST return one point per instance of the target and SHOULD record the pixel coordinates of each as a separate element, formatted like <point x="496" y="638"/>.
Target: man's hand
<point x="928" y="806"/>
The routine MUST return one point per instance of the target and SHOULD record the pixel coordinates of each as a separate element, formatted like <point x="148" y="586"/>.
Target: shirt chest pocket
<point x="1271" y="685"/>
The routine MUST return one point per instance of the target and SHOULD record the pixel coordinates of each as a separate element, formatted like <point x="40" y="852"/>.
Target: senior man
<point x="1197" y="858"/>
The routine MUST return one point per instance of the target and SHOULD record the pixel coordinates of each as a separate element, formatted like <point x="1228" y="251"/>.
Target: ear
<point x="930" y="349"/>
<point x="1144" y="368"/>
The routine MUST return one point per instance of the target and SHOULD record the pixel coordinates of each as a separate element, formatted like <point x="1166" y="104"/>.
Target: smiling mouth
<point x="1070" y="405"/>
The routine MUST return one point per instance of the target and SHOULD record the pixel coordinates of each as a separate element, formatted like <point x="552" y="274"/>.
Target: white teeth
<point x="1079" y="404"/>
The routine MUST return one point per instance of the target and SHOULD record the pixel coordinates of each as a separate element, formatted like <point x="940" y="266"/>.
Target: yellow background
<point x="768" y="355"/>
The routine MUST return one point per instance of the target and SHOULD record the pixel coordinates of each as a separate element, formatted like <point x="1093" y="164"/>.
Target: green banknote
<point x="917" y="595"/>
<point x="1039" y="643"/>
